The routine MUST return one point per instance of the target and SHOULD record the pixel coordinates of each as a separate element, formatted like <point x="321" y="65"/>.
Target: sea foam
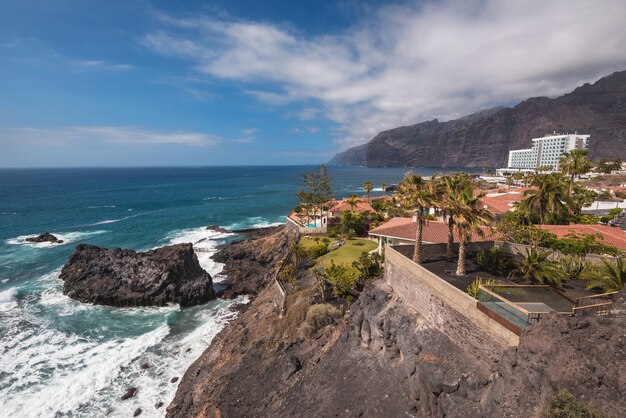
<point x="67" y="238"/>
<point x="205" y="243"/>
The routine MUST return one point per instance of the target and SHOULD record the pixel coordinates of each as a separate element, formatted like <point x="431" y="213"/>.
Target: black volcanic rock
<point x="484" y="138"/>
<point x="120" y="277"/>
<point x="45" y="237"/>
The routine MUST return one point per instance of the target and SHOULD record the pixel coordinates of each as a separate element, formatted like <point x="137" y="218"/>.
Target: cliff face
<point x="484" y="138"/>
<point x="383" y="359"/>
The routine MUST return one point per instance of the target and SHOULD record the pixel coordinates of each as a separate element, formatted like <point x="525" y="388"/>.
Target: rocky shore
<point x="118" y="277"/>
<point x="383" y="359"/>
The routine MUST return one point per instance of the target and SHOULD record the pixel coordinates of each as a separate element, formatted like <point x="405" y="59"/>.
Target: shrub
<point x="566" y="405"/>
<point x="536" y="267"/>
<point x="573" y="267"/>
<point x="342" y="278"/>
<point x="473" y="289"/>
<point x="318" y="316"/>
<point x="318" y="250"/>
<point x="582" y="244"/>
<point x="608" y="276"/>
<point x="368" y="266"/>
<point x="493" y="260"/>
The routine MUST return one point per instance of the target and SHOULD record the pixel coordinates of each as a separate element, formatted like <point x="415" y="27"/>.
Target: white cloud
<point x="100" y="65"/>
<point x="405" y="64"/>
<point x="111" y="134"/>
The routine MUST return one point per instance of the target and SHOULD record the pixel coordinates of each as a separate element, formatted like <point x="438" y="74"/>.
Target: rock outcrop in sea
<point x="45" y="237"/>
<point x="120" y="277"/>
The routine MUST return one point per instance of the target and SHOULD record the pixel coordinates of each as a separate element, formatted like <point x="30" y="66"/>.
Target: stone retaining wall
<point x="446" y="308"/>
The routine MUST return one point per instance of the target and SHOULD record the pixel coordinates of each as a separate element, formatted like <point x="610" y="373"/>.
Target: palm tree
<point x="536" y="267"/>
<point x="414" y="194"/>
<point x="299" y="253"/>
<point x="368" y="186"/>
<point x="453" y="186"/>
<point x="574" y="163"/>
<point x="468" y="215"/>
<point x="517" y="176"/>
<point x="610" y="277"/>
<point x="581" y="198"/>
<point x="509" y="180"/>
<point x="353" y="200"/>
<point x="383" y="186"/>
<point x="550" y="200"/>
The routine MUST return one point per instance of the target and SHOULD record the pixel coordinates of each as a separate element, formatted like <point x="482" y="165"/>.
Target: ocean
<point x="59" y="357"/>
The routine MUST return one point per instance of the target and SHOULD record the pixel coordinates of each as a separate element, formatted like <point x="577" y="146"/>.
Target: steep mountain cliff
<point x="484" y="138"/>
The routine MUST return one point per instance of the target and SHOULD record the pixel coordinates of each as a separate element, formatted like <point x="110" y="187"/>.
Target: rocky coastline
<point x="382" y="359"/>
<point x="119" y="277"/>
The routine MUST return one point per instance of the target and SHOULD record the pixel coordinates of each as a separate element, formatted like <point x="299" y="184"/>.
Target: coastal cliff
<point x="383" y="359"/>
<point x="484" y="138"/>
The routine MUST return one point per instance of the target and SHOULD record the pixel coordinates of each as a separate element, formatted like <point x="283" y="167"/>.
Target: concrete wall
<point x="445" y="307"/>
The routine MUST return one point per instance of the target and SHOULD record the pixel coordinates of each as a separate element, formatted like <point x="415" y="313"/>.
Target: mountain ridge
<point x="483" y="138"/>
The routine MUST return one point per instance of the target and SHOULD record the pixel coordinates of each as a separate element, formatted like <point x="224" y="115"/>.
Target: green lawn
<point x="347" y="253"/>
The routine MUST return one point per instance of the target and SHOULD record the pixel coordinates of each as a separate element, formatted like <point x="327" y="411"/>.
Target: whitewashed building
<point x="545" y="152"/>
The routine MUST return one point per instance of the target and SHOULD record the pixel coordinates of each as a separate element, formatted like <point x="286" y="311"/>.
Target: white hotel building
<point x="545" y="152"/>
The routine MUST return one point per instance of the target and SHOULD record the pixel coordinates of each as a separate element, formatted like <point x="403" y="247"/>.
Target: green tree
<point x="574" y="163"/>
<point x="469" y="215"/>
<point x="352" y="223"/>
<point x="368" y="186"/>
<point x="414" y="194"/>
<point x="353" y="200"/>
<point x="549" y="200"/>
<point x="509" y="180"/>
<point x="610" y="277"/>
<point x="383" y="186"/>
<point x="536" y="267"/>
<point x="368" y="266"/>
<point x="315" y="189"/>
<point x="451" y="188"/>
<point x="580" y="198"/>
<point x="341" y="277"/>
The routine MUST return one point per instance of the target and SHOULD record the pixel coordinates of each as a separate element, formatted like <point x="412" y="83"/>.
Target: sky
<point x="227" y="82"/>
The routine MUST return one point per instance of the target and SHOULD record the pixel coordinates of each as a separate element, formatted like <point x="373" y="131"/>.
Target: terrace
<point x="513" y="306"/>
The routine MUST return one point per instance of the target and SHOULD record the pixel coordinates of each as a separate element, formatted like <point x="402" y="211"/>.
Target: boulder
<point x="45" y="237"/>
<point x="119" y="277"/>
<point x="130" y="392"/>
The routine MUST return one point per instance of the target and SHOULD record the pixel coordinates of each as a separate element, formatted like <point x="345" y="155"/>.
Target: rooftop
<point x="610" y="235"/>
<point x="434" y="231"/>
<point x="360" y="206"/>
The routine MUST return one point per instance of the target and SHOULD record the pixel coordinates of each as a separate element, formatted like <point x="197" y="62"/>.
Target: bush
<point x="473" y="289"/>
<point x="493" y="260"/>
<point x="342" y="278"/>
<point x="368" y="266"/>
<point x="566" y="405"/>
<point x="573" y="267"/>
<point x="333" y="231"/>
<point x="318" y="250"/>
<point x="318" y="316"/>
<point x="582" y="244"/>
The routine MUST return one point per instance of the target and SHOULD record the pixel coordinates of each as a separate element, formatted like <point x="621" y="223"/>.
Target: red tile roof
<point x="361" y="206"/>
<point x="502" y="201"/>
<point x="612" y="235"/>
<point x="434" y="231"/>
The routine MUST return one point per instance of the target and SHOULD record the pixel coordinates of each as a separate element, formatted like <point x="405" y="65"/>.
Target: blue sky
<point x="139" y="82"/>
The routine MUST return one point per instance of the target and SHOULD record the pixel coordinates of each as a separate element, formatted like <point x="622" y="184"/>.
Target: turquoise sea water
<point x="59" y="357"/>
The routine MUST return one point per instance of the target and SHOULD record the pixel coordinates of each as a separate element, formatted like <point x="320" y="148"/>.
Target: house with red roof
<point x="398" y="231"/>
<point x="342" y="206"/>
<point x="610" y="235"/>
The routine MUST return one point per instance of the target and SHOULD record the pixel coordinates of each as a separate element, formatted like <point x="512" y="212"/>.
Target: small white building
<point x="545" y="152"/>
